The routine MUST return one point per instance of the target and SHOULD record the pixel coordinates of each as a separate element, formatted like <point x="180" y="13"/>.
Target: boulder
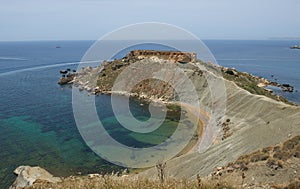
<point x="27" y="175"/>
<point x="231" y="72"/>
<point x="287" y="88"/>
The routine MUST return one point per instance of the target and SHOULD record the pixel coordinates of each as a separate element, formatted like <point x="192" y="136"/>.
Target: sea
<point x="37" y="125"/>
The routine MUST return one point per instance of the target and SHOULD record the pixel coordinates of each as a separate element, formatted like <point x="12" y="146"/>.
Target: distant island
<point x="295" y="47"/>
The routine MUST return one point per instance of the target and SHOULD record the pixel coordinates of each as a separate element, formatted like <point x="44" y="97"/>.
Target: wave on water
<point x="12" y="58"/>
<point x="235" y="59"/>
<point x="44" y="67"/>
<point x="250" y="65"/>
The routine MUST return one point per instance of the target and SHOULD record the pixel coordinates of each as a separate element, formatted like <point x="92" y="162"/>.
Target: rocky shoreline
<point x="263" y="82"/>
<point x="257" y="85"/>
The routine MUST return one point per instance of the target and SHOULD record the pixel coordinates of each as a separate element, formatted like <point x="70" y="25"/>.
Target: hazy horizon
<point x="34" y="20"/>
<point x="54" y="40"/>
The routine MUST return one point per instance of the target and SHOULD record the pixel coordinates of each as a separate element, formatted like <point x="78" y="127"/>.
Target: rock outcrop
<point x="173" y="56"/>
<point x="26" y="176"/>
<point x="287" y="88"/>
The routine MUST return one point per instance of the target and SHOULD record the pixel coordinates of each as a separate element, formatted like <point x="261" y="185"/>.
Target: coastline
<point x="110" y="70"/>
<point x="193" y="113"/>
<point x="258" y="85"/>
<point x="46" y="177"/>
<point x="192" y="146"/>
<point x="104" y="76"/>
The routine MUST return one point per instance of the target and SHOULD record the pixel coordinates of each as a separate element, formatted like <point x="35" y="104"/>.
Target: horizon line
<point x="225" y="39"/>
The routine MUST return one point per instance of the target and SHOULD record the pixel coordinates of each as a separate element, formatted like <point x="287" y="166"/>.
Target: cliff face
<point x="172" y="56"/>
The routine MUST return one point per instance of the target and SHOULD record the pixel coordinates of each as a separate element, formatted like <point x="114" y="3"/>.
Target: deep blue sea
<point x="262" y="58"/>
<point x="37" y="126"/>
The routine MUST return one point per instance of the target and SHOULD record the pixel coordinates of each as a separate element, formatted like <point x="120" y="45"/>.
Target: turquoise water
<point x="36" y="120"/>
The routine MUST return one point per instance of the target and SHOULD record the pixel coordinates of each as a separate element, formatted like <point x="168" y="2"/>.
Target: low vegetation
<point x="270" y="167"/>
<point x="250" y="83"/>
<point x="242" y="79"/>
<point x="273" y="156"/>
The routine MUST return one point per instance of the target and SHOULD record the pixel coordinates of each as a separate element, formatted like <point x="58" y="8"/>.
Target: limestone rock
<point x="27" y="175"/>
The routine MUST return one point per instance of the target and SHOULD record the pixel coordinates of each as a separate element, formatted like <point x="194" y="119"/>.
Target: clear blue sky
<point x="90" y="19"/>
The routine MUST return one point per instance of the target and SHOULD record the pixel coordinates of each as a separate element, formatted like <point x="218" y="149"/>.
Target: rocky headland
<point x="100" y="80"/>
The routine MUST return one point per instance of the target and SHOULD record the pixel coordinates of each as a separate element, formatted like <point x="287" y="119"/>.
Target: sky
<point x="91" y="19"/>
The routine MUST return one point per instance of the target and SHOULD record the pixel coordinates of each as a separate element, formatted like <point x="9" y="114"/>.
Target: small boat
<point x="58" y="47"/>
<point x="295" y="47"/>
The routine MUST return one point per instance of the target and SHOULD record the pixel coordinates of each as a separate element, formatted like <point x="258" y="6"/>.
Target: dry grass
<point x="109" y="181"/>
<point x="292" y="185"/>
<point x="273" y="155"/>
